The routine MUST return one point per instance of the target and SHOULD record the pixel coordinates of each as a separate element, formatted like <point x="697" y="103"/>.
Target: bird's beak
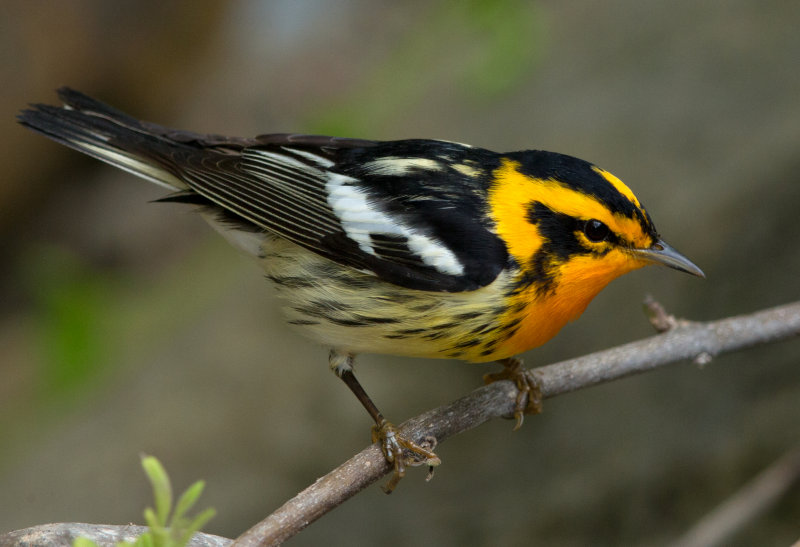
<point x="661" y="253"/>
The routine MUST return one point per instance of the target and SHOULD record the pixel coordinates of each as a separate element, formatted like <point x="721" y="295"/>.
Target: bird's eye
<point x="595" y="230"/>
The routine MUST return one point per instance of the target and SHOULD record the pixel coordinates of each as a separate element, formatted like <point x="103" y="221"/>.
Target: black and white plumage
<point x="415" y="247"/>
<point x="410" y="212"/>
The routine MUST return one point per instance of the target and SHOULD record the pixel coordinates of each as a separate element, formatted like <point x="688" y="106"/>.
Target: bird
<point x="415" y="247"/>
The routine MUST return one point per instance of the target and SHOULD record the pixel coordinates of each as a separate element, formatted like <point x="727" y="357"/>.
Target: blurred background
<point x="130" y="327"/>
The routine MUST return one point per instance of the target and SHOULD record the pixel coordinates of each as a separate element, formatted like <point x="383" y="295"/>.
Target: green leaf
<point x="162" y="489"/>
<point x="180" y="529"/>
<point x="196" y="525"/>
<point x="202" y="519"/>
<point x="186" y="501"/>
<point x="145" y="540"/>
<point x="160" y="537"/>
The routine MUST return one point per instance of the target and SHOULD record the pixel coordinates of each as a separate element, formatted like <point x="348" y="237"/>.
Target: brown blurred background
<point x="130" y="327"/>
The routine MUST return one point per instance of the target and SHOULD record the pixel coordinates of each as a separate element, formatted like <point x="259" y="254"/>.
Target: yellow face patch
<point x="621" y="187"/>
<point x="575" y="279"/>
<point x="513" y="192"/>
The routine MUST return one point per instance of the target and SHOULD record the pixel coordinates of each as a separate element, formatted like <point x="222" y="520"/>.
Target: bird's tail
<point x="96" y="129"/>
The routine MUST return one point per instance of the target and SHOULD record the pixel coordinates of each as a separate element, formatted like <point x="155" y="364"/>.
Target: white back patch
<point x="360" y="219"/>
<point x="397" y="166"/>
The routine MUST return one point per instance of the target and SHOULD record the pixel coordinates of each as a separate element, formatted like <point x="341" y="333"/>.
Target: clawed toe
<point x="402" y="452"/>
<point x="529" y="393"/>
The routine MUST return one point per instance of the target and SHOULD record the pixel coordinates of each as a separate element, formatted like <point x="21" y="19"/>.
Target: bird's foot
<point x="529" y="393"/>
<point x="402" y="452"/>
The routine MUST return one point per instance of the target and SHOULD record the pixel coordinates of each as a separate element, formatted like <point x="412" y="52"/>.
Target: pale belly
<point x="356" y="312"/>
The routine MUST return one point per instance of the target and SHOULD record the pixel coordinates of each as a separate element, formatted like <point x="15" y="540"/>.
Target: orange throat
<point x="579" y="281"/>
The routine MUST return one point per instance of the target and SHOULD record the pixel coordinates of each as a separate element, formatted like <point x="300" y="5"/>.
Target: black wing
<point x="412" y="212"/>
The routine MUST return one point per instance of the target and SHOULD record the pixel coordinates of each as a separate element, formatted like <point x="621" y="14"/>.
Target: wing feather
<point x="412" y="212"/>
<point x="414" y="222"/>
<point x="262" y="206"/>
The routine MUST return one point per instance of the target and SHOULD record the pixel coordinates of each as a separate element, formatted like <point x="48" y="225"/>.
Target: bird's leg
<point x="529" y="393"/>
<point x="398" y="450"/>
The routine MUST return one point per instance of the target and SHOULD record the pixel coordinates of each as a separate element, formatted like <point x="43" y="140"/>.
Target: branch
<point x="682" y="340"/>
<point x="685" y="340"/>
<point x="63" y="534"/>
<point x="751" y="500"/>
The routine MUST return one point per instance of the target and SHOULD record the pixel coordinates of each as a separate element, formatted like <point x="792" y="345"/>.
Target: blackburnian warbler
<point x="422" y="248"/>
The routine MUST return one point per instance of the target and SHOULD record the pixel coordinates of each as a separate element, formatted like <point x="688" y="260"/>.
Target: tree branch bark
<point x="64" y="533"/>
<point x="685" y="340"/>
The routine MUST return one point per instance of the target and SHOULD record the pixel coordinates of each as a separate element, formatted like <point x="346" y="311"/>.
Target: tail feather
<point x="107" y="134"/>
<point x="75" y="100"/>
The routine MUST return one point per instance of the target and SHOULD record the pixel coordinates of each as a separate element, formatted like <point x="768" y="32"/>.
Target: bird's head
<point x="572" y="227"/>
